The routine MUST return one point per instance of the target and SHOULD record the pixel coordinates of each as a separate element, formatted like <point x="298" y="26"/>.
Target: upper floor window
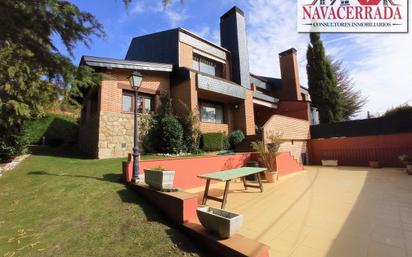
<point x="211" y="112"/>
<point x="322" y="2"/>
<point x="206" y="65"/>
<point x="145" y="102"/>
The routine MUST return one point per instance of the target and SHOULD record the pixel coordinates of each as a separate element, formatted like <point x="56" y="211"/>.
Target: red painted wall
<point x="357" y="151"/>
<point x="285" y="163"/>
<point x="187" y="169"/>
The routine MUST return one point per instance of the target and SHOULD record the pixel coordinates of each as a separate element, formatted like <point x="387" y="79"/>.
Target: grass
<point x="65" y="206"/>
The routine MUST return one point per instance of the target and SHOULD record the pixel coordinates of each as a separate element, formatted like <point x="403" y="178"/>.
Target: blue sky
<point x="380" y="64"/>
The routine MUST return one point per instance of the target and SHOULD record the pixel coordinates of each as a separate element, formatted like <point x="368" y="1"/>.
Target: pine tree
<point x="353" y="100"/>
<point x="323" y="88"/>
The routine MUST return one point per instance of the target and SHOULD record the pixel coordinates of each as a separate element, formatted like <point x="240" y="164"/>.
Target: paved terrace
<point x="333" y="212"/>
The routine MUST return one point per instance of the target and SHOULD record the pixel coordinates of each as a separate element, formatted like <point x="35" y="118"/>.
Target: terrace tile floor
<point x="333" y="212"/>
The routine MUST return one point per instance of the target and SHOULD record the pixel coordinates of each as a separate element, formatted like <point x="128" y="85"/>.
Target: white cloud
<point x="137" y="7"/>
<point x="381" y="64"/>
<point x="175" y="17"/>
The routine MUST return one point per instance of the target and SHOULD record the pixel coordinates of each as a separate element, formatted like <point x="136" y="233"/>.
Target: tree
<point x="404" y="110"/>
<point x="323" y="88"/>
<point x="352" y="98"/>
<point x="31" y="67"/>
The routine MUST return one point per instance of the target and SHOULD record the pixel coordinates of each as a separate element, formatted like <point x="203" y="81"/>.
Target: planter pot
<point x="374" y="164"/>
<point x="127" y="171"/>
<point x="409" y="169"/>
<point x="159" y="179"/>
<point x="332" y="163"/>
<point x="271" y="176"/>
<point x="222" y="223"/>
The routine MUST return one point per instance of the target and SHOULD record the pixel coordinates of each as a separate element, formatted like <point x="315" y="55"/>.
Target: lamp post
<point x="135" y="81"/>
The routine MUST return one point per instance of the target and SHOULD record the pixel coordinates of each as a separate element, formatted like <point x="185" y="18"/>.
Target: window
<point x="207" y="66"/>
<point x="211" y="112"/>
<point x="145" y="102"/>
<point x="344" y="2"/>
<point x="322" y="2"/>
<point x="127" y="102"/>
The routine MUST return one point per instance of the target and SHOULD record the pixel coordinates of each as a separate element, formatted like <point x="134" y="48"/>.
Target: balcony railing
<point x="220" y="86"/>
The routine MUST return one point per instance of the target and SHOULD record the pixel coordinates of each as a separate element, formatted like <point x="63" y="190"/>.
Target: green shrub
<point x="171" y="135"/>
<point x="12" y="143"/>
<point x="236" y="137"/>
<point x="213" y="141"/>
<point x="56" y="128"/>
<point x="226" y="142"/>
<point x="402" y="110"/>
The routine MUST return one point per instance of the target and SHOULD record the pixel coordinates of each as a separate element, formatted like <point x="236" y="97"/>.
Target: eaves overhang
<point x="111" y="63"/>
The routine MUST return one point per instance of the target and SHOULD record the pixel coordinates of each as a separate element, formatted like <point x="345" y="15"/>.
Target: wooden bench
<point x="227" y="176"/>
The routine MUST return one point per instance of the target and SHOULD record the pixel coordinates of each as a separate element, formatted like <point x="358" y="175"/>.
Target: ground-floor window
<point x="211" y="112"/>
<point x="145" y="102"/>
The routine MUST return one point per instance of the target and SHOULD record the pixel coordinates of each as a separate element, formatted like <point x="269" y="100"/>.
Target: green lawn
<point x="64" y="206"/>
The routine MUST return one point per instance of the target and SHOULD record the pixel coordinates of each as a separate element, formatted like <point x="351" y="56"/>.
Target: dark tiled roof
<point x="124" y="64"/>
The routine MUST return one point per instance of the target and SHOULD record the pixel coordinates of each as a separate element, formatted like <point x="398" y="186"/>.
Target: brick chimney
<point x="290" y="75"/>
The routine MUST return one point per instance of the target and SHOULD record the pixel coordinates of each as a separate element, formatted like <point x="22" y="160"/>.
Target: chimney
<point x="233" y="38"/>
<point x="290" y="75"/>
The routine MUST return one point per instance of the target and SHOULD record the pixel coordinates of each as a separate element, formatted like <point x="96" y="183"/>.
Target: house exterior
<point x="201" y="76"/>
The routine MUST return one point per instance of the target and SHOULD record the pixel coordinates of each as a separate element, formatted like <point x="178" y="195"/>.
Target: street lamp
<point x="135" y="81"/>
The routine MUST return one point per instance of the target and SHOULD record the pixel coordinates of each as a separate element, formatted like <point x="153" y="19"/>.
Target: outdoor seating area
<point x="324" y="211"/>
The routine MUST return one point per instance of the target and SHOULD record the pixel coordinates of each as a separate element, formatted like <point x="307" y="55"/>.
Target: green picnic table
<point x="227" y="176"/>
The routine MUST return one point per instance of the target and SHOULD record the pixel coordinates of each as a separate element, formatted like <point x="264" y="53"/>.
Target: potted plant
<point x="406" y="159"/>
<point x="267" y="155"/>
<point x="374" y="164"/>
<point x="222" y="223"/>
<point x="159" y="178"/>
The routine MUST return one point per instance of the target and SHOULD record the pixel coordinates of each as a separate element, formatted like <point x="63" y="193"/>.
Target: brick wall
<point x="295" y="133"/>
<point x="185" y="55"/>
<point x="115" y="130"/>
<point x="206" y="127"/>
<point x="111" y="91"/>
<point x="294" y="109"/>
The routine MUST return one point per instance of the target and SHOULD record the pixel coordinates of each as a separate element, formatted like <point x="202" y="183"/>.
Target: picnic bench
<point x="227" y="176"/>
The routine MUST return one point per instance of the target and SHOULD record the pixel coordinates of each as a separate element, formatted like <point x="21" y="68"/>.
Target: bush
<point x="171" y="135"/>
<point x="402" y="110"/>
<point x="236" y="137"/>
<point x="226" y="143"/>
<point x="12" y="143"/>
<point x="213" y="141"/>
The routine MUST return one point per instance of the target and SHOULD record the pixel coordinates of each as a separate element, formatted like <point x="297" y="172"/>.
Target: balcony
<point x="220" y="86"/>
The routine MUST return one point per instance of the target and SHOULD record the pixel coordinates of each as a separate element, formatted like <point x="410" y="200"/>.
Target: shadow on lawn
<point x="65" y="151"/>
<point x="109" y="177"/>
<point x="127" y="195"/>
<point x="154" y="215"/>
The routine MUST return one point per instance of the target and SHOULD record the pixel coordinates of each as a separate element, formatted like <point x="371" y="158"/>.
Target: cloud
<point x="175" y="17"/>
<point x="380" y="64"/>
<point x="137" y="8"/>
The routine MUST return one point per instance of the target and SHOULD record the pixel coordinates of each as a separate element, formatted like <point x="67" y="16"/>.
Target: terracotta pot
<point x="271" y="176"/>
<point x="127" y="171"/>
<point x="374" y="164"/>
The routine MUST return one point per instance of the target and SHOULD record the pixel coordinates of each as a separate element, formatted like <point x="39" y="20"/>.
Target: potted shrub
<point x="406" y="159"/>
<point x="222" y="223"/>
<point x="267" y="155"/>
<point x="159" y="178"/>
<point x="374" y="164"/>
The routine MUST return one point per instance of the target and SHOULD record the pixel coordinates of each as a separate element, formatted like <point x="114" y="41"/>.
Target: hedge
<point x="57" y="129"/>
<point x="213" y="141"/>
